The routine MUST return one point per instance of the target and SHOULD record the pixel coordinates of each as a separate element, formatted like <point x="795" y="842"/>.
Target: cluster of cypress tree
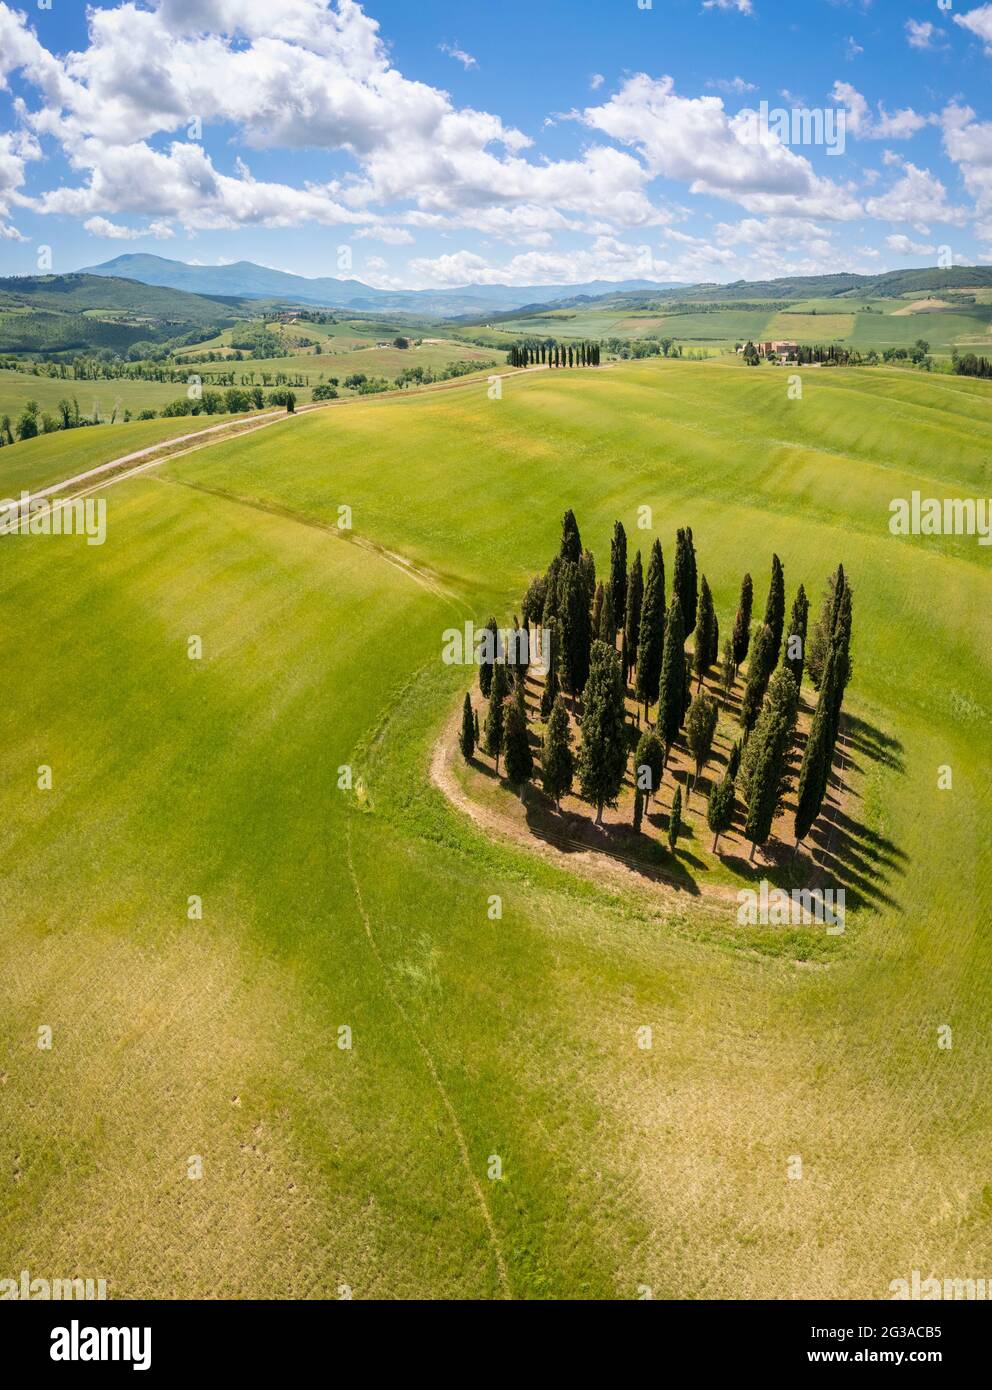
<point x="554" y="354"/>
<point x="585" y="619"/>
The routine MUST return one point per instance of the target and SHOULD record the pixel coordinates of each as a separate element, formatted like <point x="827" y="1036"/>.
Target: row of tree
<point x="553" y="354"/>
<point x="585" y="620"/>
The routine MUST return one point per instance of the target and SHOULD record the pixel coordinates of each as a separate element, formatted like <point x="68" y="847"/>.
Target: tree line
<point x="553" y="354"/>
<point x="625" y="635"/>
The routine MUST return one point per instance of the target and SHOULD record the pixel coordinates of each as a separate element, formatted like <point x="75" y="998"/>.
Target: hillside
<point x="60" y="313"/>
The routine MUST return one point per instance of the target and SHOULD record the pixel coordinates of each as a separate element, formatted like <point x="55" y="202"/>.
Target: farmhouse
<point x="785" y="351"/>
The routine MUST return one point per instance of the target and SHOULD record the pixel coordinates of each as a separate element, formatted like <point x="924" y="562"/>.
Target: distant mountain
<point x="245" y="280"/>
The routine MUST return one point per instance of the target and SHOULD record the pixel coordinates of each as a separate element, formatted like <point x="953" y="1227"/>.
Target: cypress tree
<point x="516" y="745"/>
<point x="649" y="764"/>
<point x="700" y="726"/>
<point x="781" y="707"/>
<point x="496" y="715"/>
<point x="607" y="625"/>
<point x="486" y="665"/>
<point x="624" y="657"/>
<point x="551" y="684"/>
<point x="638" y="810"/>
<point x="727" y="667"/>
<point x="742" y="622"/>
<point x="734" y="760"/>
<point x="597" y="610"/>
<point x="814" y="773"/>
<point x="571" y="541"/>
<point x="632" y="612"/>
<point x="720" y="808"/>
<point x="557" y="762"/>
<point x="587" y="569"/>
<point x="759" y="672"/>
<point x="675" y="820"/>
<point x="574" y="634"/>
<point x="475" y="719"/>
<point x="671" y="695"/>
<point x="793" y="658"/>
<point x="766" y="783"/>
<point x="651" y="639"/>
<point x="715" y="643"/>
<point x="705" y="621"/>
<point x="818" y="646"/>
<point x="618" y="572"/>
<point x="775" y="607"/>
<point x="684" y="580"/>
<point x="467" y="741"/>
<point x="603" y="752"/>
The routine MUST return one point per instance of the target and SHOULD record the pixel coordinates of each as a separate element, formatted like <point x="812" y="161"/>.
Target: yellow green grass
<point x="475" y="1037"/>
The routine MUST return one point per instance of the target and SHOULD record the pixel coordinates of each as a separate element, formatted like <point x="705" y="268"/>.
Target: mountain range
<point x="246" y="280"/>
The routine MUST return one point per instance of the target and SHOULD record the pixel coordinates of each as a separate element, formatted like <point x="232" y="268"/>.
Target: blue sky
<point x="437" y="143"/>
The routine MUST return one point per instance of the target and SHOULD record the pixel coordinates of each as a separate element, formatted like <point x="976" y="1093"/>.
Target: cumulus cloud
<point x="918" y="198"/>
<point x="900" y="125"/>
<point x="694" y="140"/>
<point x="979" y="23"/>
<point x="459" y="55"/>
<point x="921" y="34"/>
<point x="904" y="247"/>
<point x="101" y="226"/>
<point x="743" y="6"/>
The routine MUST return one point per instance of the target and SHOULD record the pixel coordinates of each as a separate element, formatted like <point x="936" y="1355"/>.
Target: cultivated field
<point x="326" y="908"/>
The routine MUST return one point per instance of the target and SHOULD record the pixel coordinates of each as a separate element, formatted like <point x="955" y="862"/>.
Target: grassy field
<point x="323" y="908"/>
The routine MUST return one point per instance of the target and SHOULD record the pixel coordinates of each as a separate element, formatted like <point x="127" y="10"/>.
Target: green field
<point x="367" y="909"/>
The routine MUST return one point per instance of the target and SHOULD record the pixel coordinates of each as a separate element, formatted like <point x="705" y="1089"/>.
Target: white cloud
<point x="694" y="140"/>
<point x="459" y="54"/>
<point x="979" y="23"/>
<point x="904" y="247"/>
<point x="861" y="123"/>
<point x="744" y="6"/>
<point x="917" y="198"/>
<point x="921" y="34"/>
<point x="390" y="236"/>
<point x="100" y="226"/>
<point x="735" y="85"/>
<point x="852" y="49"/>
<point x="596" y="81"/>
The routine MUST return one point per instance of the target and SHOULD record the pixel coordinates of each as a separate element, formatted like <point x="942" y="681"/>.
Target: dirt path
<point x="602" y="865"/>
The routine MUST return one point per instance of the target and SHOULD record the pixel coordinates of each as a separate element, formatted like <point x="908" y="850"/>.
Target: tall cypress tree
<point x="516" y="744"/>
<point x="574" y="633"/>
<point x="759" y="671"/>
<point x="671" y="695"/>
<point x="632" y="612"/>
<point x="607" y="625"/>
<point x="496" y="715"/>
<point x="700" y="726"/>
<point x="684" y="579"/>
<point x="814" y="774"/>
<point x="775" y="607"/>
<point x="467" y="740"/>
<point x="618" y="573"/>
<point x="486" y="665"/>
<point x="651" y="640"/>
<point x="603" y="752"/>
<point x="597" y="609"/>
<point x="742" y="622"/>
<point x="794" y="656"/>
<point x="818" y="646"/>
<point x="705" y="623"/>
<point x="766" y="784"/>
<point x="551" y="683"/>
<point x="557" y="761"/>
<point x="715" y="642"/>
<point x="727" y="666"/>
<point x="781" y="705"/>
<point x="571" y="541"/>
